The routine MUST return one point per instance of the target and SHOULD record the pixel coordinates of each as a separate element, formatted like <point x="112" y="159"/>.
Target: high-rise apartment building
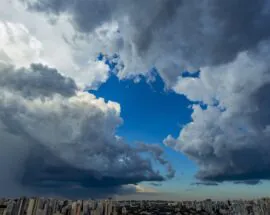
<point x="30" y="207"/>
<point x="22" y="206"/>
<point x="3" y="209"/>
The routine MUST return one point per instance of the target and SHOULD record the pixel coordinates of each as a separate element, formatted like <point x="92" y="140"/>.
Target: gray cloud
<point x="249" y="182"/>
<point x="205" y="183"/>
<point x="229" y="42"/>
<point x="156" y="184"/>
<point x="158" y="152"/>
<point x="37" y="81"/>
<point x="229" y="142"/>
<point x="44" y="173"/>
<point x="189" y="34"/>
<point x="96" y="12"/>
<point x="64" y="144"/>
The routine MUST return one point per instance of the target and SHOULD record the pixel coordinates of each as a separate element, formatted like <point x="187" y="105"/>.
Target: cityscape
<point x="134" y="107"/>
<point x="52" y="206"/>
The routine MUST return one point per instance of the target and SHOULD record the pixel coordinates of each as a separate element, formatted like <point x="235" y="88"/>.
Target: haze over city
<point x="133" y="99"/>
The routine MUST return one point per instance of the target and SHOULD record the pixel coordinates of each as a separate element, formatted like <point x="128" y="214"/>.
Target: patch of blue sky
<point x="150" y="113"/>
<point x="187" y="74"/>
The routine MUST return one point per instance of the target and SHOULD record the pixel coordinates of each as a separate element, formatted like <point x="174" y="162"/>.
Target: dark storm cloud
<point x="156" y="184"/>
<point x="205" y="183"/>
<point x="87" y="15"/>
<point x="233" y="145"/>
<point x="163" y="17"/>
<point x="249" y="182"/>
<point x="249" y="164"/>
<point x="45" y="173"/>
<point x="201" y="33"/>
<point x="64" y="145"/>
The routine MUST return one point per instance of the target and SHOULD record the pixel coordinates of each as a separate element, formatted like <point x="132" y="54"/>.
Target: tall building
<point x="108" y="207"/>
<point x="124" y="210"/>
<point x="30" y="207"/>
<point x="15" y="208"/>
<point x="114" y="211"/>
<point x="22" y="206"/>
<point x="10" y="207"/>
<point x="3" y="209"/>
<point x="85" y="207"/>
<point x="78" y="208"/>
<point x="73" y="208"/>
<point x="54" y="206"/>
<point x="49" y="209"/>
<point x="97" y="211"/>
<point x="100" y="208"/>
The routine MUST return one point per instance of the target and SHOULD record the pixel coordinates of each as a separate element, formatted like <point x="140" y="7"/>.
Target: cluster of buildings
<point x="235" y="207"/>
<point x="44" y="206"/>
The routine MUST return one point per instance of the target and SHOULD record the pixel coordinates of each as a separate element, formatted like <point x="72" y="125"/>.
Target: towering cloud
<point x="56" y="140"/>
<point x="229" y="139"/>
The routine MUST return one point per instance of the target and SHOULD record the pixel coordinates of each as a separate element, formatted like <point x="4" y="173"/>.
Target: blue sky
<point x="150" y="113"/>
<point x="144" y="106"/>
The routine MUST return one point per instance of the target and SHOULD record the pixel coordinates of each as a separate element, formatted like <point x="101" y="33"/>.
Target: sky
<point x="158" y="99"/>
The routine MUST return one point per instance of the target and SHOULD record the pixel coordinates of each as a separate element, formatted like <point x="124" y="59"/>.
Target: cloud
<point x="96" y="72"/>
<point x="157" y="152"/>
<point x="187" y="33"/>
<point x="229" y="140"/>
<point x="249" y="182"/>
<point x="143" y="189"/>
<point x="28" y="38"/>
<point x="18" y="45"/>
<point x="205" y="184"/>
<point x="59" y="141"/>
<point x="35" y="82"/>
<point x="156" y="184"/>
<point x="226" y="40"/>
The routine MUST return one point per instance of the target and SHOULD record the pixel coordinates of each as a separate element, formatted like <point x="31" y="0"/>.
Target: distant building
<point x="30" y="207"/>
<point x="124" y="210"/>
<point x="3" y="209"/>
<point x="22" y="206"/>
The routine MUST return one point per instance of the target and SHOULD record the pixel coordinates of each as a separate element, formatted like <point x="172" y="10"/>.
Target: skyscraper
<point x="78" y="208"/>
<point x="22" y="206"/>
<point x="73" y="208"/>
<point x="10" y="208"/>
<point x="30" y="207"/>
<point x="124" y="210"/>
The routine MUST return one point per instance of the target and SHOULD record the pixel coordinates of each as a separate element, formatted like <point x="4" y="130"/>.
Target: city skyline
<point x="158" y="99"/>
<point x="51" y="206"/>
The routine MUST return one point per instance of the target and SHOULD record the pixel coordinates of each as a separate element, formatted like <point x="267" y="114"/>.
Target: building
<point x="30" y="207"/>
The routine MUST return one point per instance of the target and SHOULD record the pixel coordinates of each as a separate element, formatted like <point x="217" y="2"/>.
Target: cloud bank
<point x="57" y="140"/>
<point x="172" y="35"/>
